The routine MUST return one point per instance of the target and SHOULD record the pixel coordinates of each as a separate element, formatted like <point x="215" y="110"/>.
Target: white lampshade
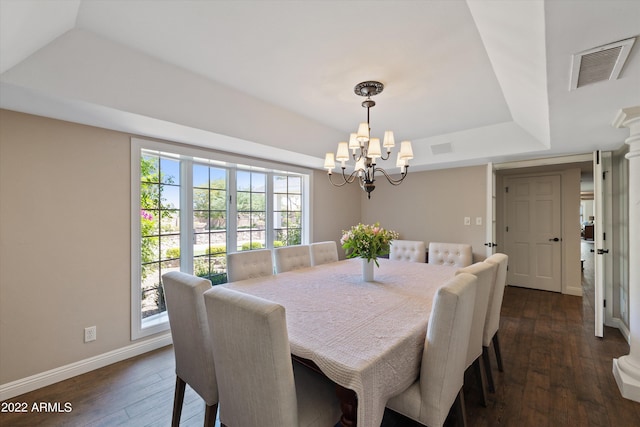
<point x="374" y="148"/>
<point x="363" y="132"/>
<point x="400" y="162"/>
<point x="354" y="144"/>
<point x="406" y="152"/>
<point x="329" y="162"/>
<point x="343" y="152"/>
<point x="388" y="140"/>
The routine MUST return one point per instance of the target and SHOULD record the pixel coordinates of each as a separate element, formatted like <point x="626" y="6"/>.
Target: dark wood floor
<point x="556" y="374"/>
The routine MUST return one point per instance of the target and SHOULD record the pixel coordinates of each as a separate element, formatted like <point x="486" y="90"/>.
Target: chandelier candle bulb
<point x="401" y="163"/>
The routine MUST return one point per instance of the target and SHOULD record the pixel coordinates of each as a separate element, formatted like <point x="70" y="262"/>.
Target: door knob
<point x="555" y="239"/>
<point x="603" y="251"/>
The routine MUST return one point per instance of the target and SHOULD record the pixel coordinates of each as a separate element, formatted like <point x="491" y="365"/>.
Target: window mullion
<point x="187" y="231"/>
<point x="270" y="234"/>
<point x="232" y="211"/>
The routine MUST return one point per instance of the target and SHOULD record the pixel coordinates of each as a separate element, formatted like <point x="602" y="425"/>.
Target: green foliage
<point x="151" y="205"/>
<point x="216" y="250"/>
<point x="367" y="241"/>
<point x="253" y="245"/>
<point x="278" y="243"/>
<point x="173" y="253"/>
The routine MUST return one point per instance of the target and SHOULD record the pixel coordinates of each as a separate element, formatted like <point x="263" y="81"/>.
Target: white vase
<point x="367" y="270"/>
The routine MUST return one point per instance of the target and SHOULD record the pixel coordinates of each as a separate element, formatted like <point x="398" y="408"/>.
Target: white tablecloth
<point x="367" y="337"/>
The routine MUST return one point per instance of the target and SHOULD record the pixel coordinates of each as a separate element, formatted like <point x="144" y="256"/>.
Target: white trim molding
<point x="43" y="379"/>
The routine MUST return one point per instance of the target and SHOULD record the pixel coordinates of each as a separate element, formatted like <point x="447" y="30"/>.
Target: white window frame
<point x="154" y="324"/>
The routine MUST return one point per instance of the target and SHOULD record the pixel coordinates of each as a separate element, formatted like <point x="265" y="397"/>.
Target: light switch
<point x="467" y="220"/>
<point x="478" y="220"/>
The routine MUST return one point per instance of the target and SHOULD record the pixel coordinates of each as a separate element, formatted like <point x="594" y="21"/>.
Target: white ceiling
<point x="274" y="79"/>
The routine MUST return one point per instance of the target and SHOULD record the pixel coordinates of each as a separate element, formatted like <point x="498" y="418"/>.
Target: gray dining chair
<point x="408" y="250"/>
<point x="323" y="252"/>
<point x="485" y="272"/>
<point x="454" y="254"/>
<point x="492" y="323"/>
<point x="249" y="264"/>
<point x="289" y="258"/>
<point x="439" y="387"/>
<point x="256" y="378"/>
<point x="191" y="342"/>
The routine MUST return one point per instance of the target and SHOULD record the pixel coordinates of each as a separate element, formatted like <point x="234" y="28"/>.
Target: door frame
<point x="572" y="275"/>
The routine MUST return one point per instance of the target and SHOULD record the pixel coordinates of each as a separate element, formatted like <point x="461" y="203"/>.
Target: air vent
<point x="600" y="63"/>
<point x="441" y="148"/>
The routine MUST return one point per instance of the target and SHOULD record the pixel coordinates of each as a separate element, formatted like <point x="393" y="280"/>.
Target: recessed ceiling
<point x="489" y="78"/>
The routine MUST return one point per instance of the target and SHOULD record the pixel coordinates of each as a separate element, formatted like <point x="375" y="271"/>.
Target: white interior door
<point x="602" y="228"/>
<point x="533" y="232"/>
<point x="491" y="211"/>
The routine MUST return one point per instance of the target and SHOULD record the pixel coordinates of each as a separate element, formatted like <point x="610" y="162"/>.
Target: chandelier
<point x="365" y="151"/>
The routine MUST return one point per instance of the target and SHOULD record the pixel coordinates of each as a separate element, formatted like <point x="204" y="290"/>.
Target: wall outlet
<point x="478" y="220"/>
<point x="467" y="220"/>
<point x="90" y="334"/>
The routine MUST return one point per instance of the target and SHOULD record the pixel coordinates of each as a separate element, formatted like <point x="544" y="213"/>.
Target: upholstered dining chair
<point x="455" y="254"/>
<point x="191" y="342"/>
<point x="258" y="383"/>
<point x="408" y="250"/>
<point x="485" y="272"/>
<point x="249" y="264"/>
<point x="492" y="323"/>
<point x="439" y="386"/>
<point x="289" y="258"/>
<point x="323" y="252"/>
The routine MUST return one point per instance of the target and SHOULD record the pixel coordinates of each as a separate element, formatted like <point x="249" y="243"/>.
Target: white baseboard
<point x="618" y="323"/>
<point x="43" y="379"/>
<point x="573" y="290"/>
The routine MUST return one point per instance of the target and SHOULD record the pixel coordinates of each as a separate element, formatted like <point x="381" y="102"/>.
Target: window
<point x="190" y="207"/>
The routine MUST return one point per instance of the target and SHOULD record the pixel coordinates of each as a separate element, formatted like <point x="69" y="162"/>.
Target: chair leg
<point x="496" y="348"/>
<point x="210" y="415"/>
<point x="482" y="379"/>
<point x="178" y="398"/>
<point x="460" y="410"/>
<point x="487" y="369"/>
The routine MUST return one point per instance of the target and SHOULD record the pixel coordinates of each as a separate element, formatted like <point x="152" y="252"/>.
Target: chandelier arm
<point x="345" y="179"/>
<point x="391" y="180"/>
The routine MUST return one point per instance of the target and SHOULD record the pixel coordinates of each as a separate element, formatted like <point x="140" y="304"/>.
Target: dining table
<point x="367" y="337"/>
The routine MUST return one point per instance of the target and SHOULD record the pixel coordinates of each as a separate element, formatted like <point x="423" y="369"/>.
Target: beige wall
<point x="65" y="239"/>
<point x="431" y="206"/>
<point x="334" y="209"/>
<point x="65" y="255"/>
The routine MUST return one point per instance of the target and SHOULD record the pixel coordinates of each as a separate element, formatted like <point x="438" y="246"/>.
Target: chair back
<point x="249" y="264"/>
<point x="289" y="258"/>
<point x="445" y="348"/>
<point x="455" y="254"/>
<point x="253" y="359"/>
<point x="492" y="323"/>
<point x="408" y="250"/>
<point x="484" y="271"/>
<point x="323" y="252"/>
<point x="190" y="332"/>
